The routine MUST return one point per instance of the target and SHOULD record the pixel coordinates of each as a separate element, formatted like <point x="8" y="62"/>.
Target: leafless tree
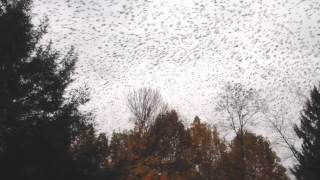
<point x="239" y="106"/>
<point x="280" y="123"/>
<point x="145" y="104"/>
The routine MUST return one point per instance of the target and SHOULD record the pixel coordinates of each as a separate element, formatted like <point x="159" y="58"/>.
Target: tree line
<point x="43" y="135"/>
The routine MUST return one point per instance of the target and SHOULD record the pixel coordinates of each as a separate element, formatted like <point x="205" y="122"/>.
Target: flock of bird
<point x="188" y="49"/>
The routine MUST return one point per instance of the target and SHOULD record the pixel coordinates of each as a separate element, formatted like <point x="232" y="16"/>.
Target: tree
<point x="39" y="122"/>
<point x="161" y="152"/>
<point x="240" y="106"/>
<point x="167" y="151"/>
<point x="308" y="131"/>
<point x="208" y="150"/>
<point x="91" y="153"/>
<point x="279" y="123"/>
<point x="262" y="163"/>
<point x="119" y="155"/>
<point x="18" y="39"/>
<point x="145" y="104"/>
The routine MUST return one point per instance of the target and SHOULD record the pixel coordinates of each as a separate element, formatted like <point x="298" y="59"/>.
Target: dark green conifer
<point x="38" y="122"/>
<point x="308" y="131"/>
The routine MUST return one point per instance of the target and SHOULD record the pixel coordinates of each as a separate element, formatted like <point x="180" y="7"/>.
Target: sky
<point x="188" y="50"/>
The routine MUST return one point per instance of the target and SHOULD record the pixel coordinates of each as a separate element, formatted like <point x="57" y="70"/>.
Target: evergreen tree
<point x="38" y="123"/>
<point x="308" y="167"/>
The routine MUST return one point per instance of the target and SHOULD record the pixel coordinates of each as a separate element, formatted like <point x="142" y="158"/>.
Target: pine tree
<point x="38" y="123"/>
<point x="308" y="167"/>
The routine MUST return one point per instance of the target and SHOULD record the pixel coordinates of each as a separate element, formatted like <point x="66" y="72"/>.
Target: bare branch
<point x="240" y="105"/>
<point x="145" y="104"/>
<point x="278" y="126"/>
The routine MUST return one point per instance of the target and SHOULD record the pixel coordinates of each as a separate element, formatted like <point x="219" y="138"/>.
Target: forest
<point x="44" y="135"/>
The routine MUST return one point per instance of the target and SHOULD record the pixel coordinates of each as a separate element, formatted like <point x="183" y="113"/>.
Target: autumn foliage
<point x="169" y="150"/>
<point x="44" y="135"/>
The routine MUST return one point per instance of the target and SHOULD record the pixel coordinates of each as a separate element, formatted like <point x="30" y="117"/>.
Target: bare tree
<point x="145" y="104"/>
<point x="279" y="122"/>
<point x="240" y="105"/>
<point x="282" y="122"/>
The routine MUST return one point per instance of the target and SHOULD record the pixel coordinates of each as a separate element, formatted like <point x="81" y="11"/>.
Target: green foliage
<point x="309" y="132"/>
<point x="38" y="123"/>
